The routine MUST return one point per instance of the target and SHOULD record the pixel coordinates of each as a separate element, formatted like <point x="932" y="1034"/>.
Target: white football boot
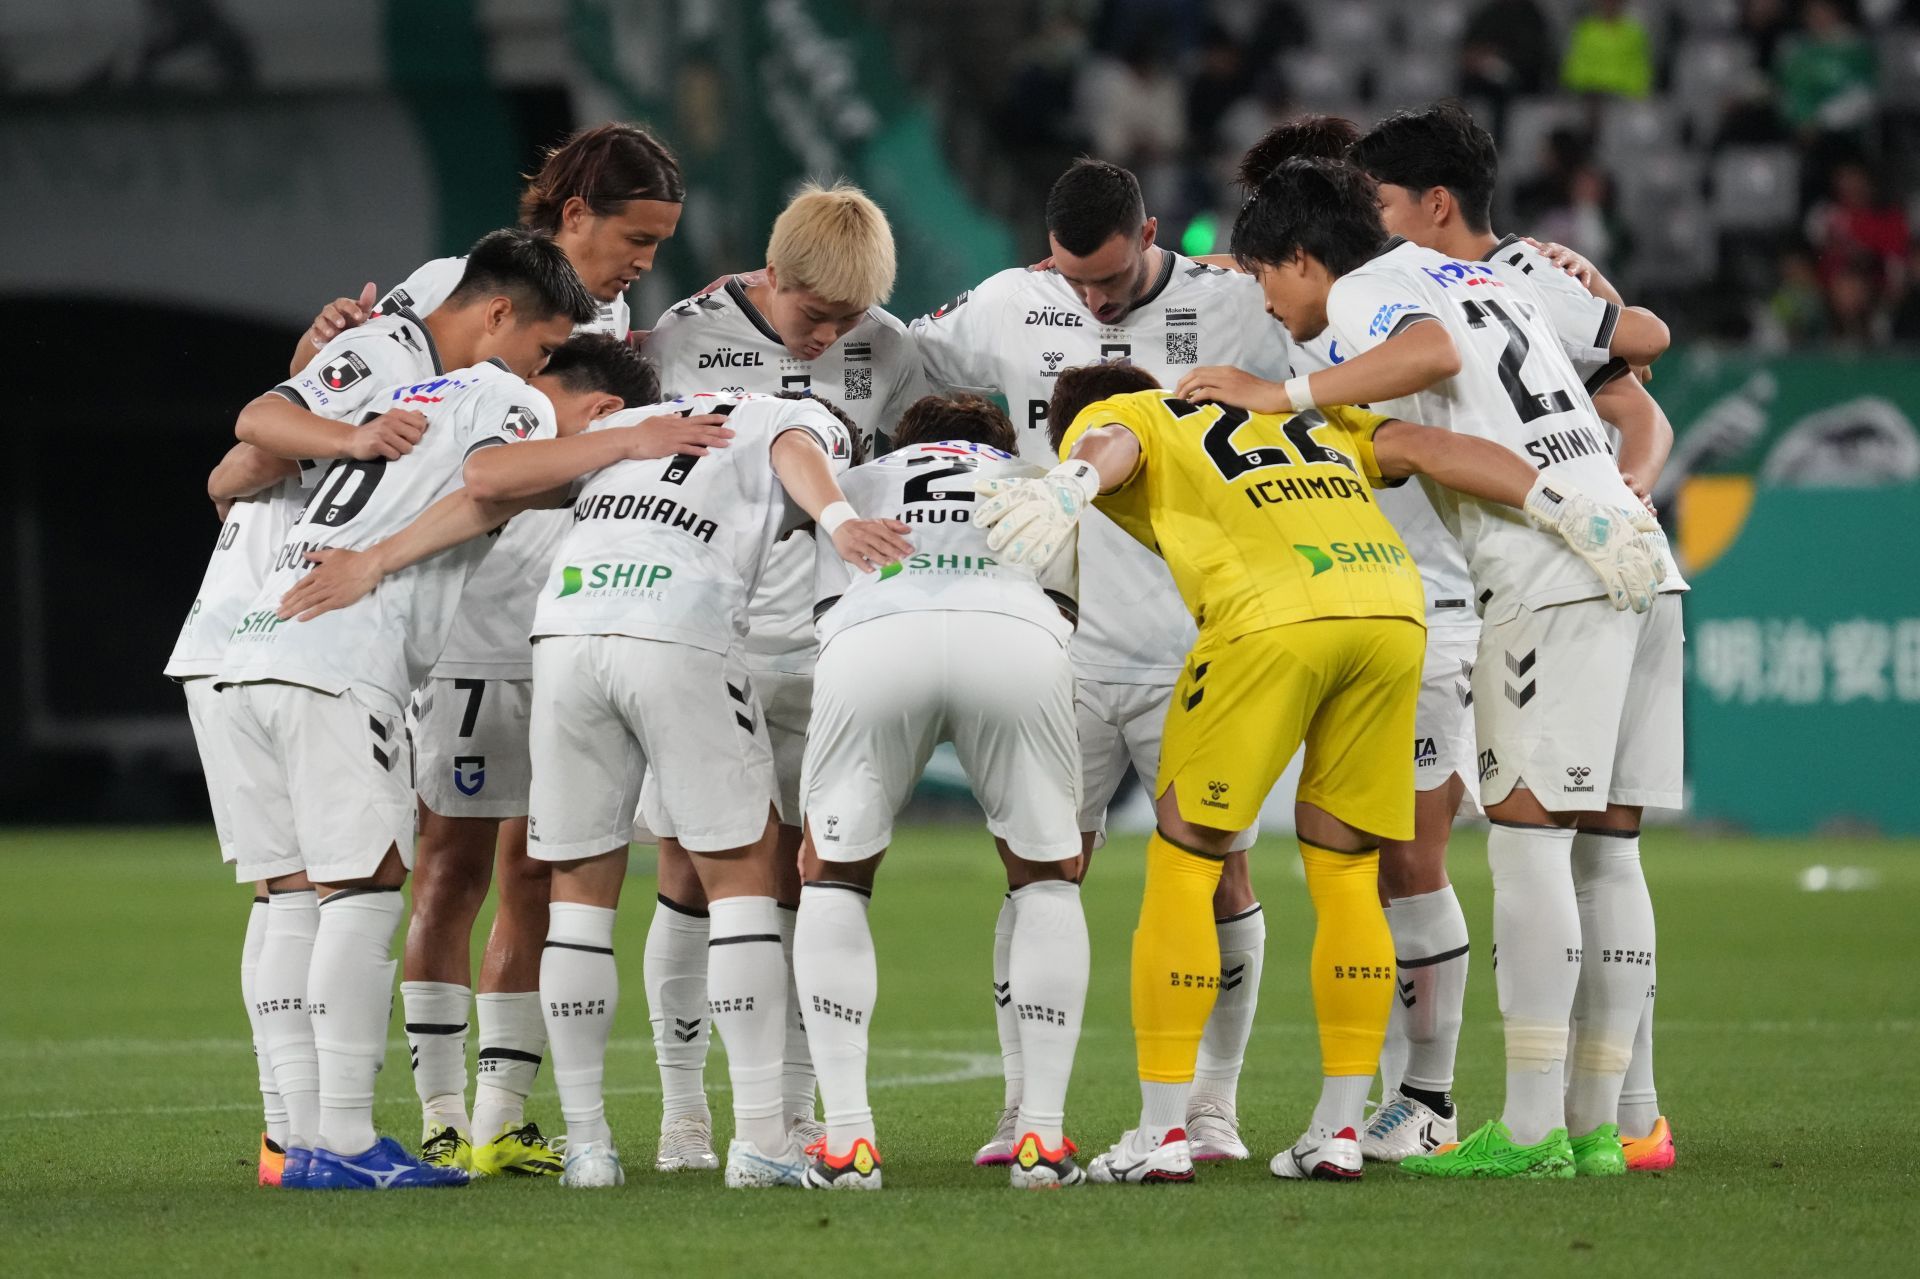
<point x="1403" y="1127"/>
<point x="592" y="1165"/>
<point x="1131" y="1160"/>
<point x="806" y="1129"/>
<point x="1000" y="1149"/>
<point x="686" y="1145"/>
<point x="751" y="1168"/>
<point x="1320" y="1156"/>
<point x="1213" y="1130"/>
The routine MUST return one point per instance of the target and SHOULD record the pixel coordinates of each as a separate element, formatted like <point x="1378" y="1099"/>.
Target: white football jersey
<point x="337" y="383"/>
<point x="1585" y="323"/>
<point x="719" y="341"/>
<point x="489" y="637"/>
<point x="673" y="548"/>
<point x="1515" y="387"/>
<point x="434" y="282"/>
<point x="1444" y="579"/>
<point x="929" y="487"/>
<point x="383" y="645"/>
<point x="1015" y="332"/>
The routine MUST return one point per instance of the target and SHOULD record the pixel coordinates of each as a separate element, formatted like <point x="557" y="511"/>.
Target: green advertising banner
<point x="1803" y="671"/>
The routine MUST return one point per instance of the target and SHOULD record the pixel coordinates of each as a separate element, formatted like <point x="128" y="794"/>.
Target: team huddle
<point x="505" y="585"/>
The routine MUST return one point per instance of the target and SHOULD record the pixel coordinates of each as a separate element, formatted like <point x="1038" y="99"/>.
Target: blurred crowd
<point x="1746" y="164"/>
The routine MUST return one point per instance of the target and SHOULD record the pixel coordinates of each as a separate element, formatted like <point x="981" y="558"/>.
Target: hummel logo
<point x="1002" y="993"/>
<point x="1520" y="666"/>
<point x="1214" y="791"/>
<point x="1406" y="992"/>
<point x="1230" y="979"/>
<point x="1053" y="359"/>
<point x="1577" y="779"/>
<point x="686" y="1029"/>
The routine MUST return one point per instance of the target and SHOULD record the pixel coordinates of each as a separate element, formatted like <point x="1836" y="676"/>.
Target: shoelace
<point x="1391" y="1116"/>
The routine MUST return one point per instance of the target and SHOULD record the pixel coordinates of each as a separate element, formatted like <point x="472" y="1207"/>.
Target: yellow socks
<point x="1352" y="959"/>
<point x="1176" y="961"/>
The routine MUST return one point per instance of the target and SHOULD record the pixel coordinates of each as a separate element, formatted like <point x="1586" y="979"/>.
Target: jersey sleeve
<point x="666" y="347"/>
<point x="345" y="378"/>
<point x="1356" y="427"/>
<point x="823" y="426"/>
<point x="910" y="384"/>
<point x="430" y="284"/>
<point x="957" y="341"/>
<point x="1584" y="323"/>
<point x="1368" y="307"/>
<point x="1128" y="505"/>
<point x="507" y="415"/>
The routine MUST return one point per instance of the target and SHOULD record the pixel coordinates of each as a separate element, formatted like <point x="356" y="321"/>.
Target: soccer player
<point x="1112" y="292"/>
<point x="608" y="196"/>
<point x="1436" y="170"/>
<point x="1576" y="706"/>
<point x="263" y="495"/>
<point x="987" y="669"/>
<point x="634" y="671"/>
<point x="319" y="754"/>
<point x="1309" y="616"/>
<point x="812" y="319"/>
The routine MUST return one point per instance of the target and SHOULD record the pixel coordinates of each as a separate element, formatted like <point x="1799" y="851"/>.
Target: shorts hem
<point x="496" y="811"/>
<point x="1376" y="828"/>
<point x="580" y="849"/>
<point x="1647" y="798"/>
<point x="708" y="841"/>
<point x="853" y="852"/>
<point x="251" y="872"/>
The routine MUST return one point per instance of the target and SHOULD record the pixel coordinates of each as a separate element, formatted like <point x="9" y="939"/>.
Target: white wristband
<point x="835" y="515"/>
<point x="1298" y="395"/>
<point x="1080" y="473"/>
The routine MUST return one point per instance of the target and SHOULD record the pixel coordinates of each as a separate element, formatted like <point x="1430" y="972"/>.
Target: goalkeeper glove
<point x="1032" y="519"/>
<point x="1622" y="546"/>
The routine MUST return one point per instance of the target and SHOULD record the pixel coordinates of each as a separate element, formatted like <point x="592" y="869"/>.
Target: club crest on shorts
<point x="469" y="773"/>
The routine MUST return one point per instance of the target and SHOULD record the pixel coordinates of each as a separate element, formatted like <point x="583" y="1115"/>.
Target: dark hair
<point x="606" y="167"/>
<point x="860" y="449"/>
<point x="1436" y="146"/>
<point x="602" y="362"/>
<point x="1092" y="202"/>
<point x="932" y="418"/>
<point x="530" y="269"/>
<point x="1323" y="208"/>
<point x="1312" y="137"/>
<point x="1076" y="388"/>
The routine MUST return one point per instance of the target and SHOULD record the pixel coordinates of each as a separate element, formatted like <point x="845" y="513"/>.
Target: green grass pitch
<point x="1789" y="1026"/>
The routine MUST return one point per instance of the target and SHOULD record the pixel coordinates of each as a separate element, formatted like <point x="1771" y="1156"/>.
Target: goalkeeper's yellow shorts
<point x="1345" y="686"/>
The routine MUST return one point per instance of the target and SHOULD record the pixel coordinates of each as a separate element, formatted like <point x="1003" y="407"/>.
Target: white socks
<point x="1163" y="1107"/>
<point x="838" y="981"/>
<point x="1536" y="938"/>
<point x="1616" y="922"/>
<point x="1048" y="963"/>
<point x="1639" y="1101"/>
<point x="273" y="1110"/>
<point x="796" y="1074"/>
<point x="513" y="1039"/>
<point x="747" y="998"/>
<point x="350" y="999"/>
<point x="1430" y="952"/>
<point x="579" y="992"/>
<point x="279" y="1007"/>
<point x="1342" y="1105"/>
<point x="1223" y="1045"/>
<point x="1005" y="1019"/>
<point x="435" y="1015"/>
<point x="675" y="974"/>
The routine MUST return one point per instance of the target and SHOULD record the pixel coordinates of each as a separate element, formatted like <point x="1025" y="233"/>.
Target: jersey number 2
<point x="1528" y="404"/>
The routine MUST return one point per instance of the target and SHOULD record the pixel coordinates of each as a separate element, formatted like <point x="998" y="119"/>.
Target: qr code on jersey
<point x="1183" y="348"/>
<point x="859" y="385"/>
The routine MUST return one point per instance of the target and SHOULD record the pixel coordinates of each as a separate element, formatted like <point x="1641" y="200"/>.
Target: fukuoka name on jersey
<point x="338" y="383"/>
<point x="489" y="636"/>
<point x="383" y="645"/>
<point x="671" y="549"/>
<point x="1409" y="507"/>
<point x="719" y="341"/>
<point x="1016" y="332"/>
<point x="930" y="488"/>
<point x="1515" y="387"/>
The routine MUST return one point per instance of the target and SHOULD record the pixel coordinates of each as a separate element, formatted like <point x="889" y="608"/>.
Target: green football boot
<point x="1598" y="1153"/>
<point x="1489" y="1151"/>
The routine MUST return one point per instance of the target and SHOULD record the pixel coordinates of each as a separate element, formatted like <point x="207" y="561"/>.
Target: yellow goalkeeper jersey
<point x="1265" y="519"/>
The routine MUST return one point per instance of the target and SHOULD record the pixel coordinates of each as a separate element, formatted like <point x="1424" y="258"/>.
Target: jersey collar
<point x="738" y="293"/>
<point x="500" y="363"/>
<point x="1506" y="242"/>
<point x="1159" y="285"/>
<point x="433" y="351"/>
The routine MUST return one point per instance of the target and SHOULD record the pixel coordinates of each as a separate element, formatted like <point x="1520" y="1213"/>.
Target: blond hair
<point x="835" y="242"/>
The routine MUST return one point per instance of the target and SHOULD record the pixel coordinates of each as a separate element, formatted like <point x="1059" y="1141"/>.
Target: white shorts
<point x="608" y="710"/>
<point x="470" y="755"/>
<point x="786" y="699"/>
<point x="322" y="783"/>
<point x="1120" y="724"/>
<point x="1443" y="741"/>
<point x="207" y="712"/>
<point x="887" y="691"/>
<point x="1580" y="703"/>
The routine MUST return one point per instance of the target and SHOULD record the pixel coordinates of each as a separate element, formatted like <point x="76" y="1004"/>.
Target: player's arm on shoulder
<point x="1646" y="436"/>
<point x="1464" y="463"/>
<point x="340" y="577"/>
<point x="246" y="470"/>
<point x="1419" y="354"/>
<point x="1639" y="336"/>
<point x="804" y="463"/>
<point x="280" y="423"/>
<point x="545" y="470"/>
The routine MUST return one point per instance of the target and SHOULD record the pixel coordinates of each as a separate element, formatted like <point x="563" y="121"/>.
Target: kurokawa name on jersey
<point x="384" y="644"/>
<point x="930" y="487"/>
<point x="1516" y="387"/>
<point x="340" y="382"/>
<point x="1014" y="333"/>
<point x="671" y="549"/>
